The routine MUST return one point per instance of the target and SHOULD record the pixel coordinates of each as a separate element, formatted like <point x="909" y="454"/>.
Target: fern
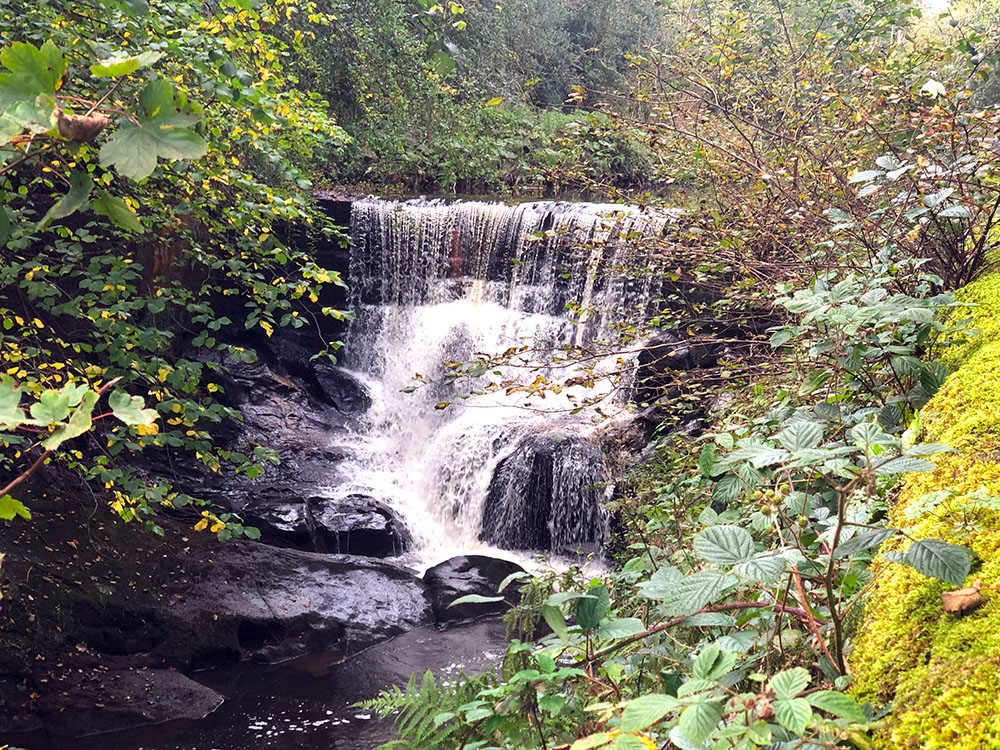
<point x="426" y="714"/>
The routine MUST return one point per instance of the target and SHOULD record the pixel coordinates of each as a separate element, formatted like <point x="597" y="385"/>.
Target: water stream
<point x="436" y="283"/>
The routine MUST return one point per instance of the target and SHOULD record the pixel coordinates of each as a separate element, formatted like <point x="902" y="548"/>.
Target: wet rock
<point x="547" y="494"/>
<point x="142" y="696"/>
<point x="469" y="574"/>
<point x="252" y="601"/>
<point x="342" y="389"/>
<point x="357" y="525"/>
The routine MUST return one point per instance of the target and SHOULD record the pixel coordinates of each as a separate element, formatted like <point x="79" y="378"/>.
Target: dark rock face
<point x="342" y="389"/>
<point x="357" y="525"/>
<point x="260" y="602"/>
<point x="352" y="525"/>
<point x="469" y="574"/>
<point x="547" y="495"/>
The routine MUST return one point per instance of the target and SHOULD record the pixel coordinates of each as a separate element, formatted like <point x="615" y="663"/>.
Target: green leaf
<point x="163" y="134"/>
<point x="838" y="704"/>
<point x="863" y="540"/>
<point x="9" y="507"/>
<point x="939" y="559"/>
<point x="52" y="406"/>
<point x="629" y="742"/>
<point x="79" y="422"/>
<point x="794" y="714"/>
<point x="661" y="584"/>
<point x="646" y="710"/>
<point x="706" y="460"/>
<point x="765" y="567"/>
<point x="515" y="576"/>
<point x="442" y="64"/>
<point x="694" y="592"/>
<point x="620" y="628"/>
<point x="553" y="616"/>
<point x="11" y="415"/>
<point x="129" y="409"/>
<point x="712" y="663"/>
<point x="904" y="465"/>
<point x="800" y="436"/>
<point x="724" y="545"/>
<point x="121" y="64"/>
<point x="79" y="192"/>
<point x="34" y="71"/>
<point x="252" y="532"/>
<point x="115" y="209"/>
<point x="590" y="610"/>
<point x="476" y="599"/>
<point x="791" y="682"/>
<point x="699" y="721"/>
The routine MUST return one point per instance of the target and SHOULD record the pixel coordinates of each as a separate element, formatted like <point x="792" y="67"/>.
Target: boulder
<point x="357" y="525"/>
<point x="342" y="389"/>
<point x="469" y="574"/>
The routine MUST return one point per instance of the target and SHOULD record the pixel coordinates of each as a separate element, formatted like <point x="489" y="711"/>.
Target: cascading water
<point x="434" y="283"/>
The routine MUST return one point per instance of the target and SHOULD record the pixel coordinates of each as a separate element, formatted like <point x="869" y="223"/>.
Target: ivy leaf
<point x="115" y="209"/>
<point x="11" y="415"/>
<point x="699" y="721"/>
<point x="52" y="406"/>
<point x="646" y="710"/>
<point x="938" y="559"/>
<point x="79" y="422"/>
<point x="9" y="507"/>
<point x="79" y="192"/>
<point x="838" y="704"/>
<point x="162" y="134"/>
<point x="793" y="714"/>
<point x="129" y="409"/>
<point x="724" y="545"/>
<point x="786" y="685"/>
<point x="34" y="71"/>
<point x="121" y="64"/>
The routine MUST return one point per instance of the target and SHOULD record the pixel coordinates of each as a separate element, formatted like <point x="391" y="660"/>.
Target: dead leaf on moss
<point x="963" y="600"/>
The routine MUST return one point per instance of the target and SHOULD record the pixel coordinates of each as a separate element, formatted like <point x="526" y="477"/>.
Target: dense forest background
<point x="836" y="166"/>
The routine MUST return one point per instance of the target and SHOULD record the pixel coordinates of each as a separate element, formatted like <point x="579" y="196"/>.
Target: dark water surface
<point x="305" y="704"/>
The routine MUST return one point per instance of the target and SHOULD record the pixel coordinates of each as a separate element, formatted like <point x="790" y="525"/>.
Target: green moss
<point x="979" y="303"/>
<point x="941" y="671"/>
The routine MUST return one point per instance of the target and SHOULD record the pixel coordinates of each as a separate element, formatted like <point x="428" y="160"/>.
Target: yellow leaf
<point x="201" y="525"/>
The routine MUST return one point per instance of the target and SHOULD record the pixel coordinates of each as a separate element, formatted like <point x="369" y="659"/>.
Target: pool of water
<point x="307" y="703"/>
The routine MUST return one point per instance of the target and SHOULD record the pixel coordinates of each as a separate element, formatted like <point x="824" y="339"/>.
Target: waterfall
<point x="435" y="283"/>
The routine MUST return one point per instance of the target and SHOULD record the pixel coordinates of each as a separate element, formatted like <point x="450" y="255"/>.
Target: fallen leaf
<point x="963" y="600"/>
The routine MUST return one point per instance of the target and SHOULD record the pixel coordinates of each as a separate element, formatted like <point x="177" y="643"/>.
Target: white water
<point x="435" y="283"/>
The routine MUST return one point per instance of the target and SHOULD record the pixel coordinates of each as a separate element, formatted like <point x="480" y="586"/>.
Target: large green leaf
<point x="699" y="721"/>
<point x="800" y="436"/>
<point x="661" y="584"/>
<point x="646" y="710"/>
<point x="712" y="663"/>
<point x="904" y="465"/>
<point x="114" y="208"/>
<point x="765" y="567"/>
<point x="162" y="134"/>
<point x="938" y="559"/>
<point x="838" y="704"/>
<point x="122" y="63"/>
<point x="52" y="406"/>
<point x="590" y="610"/>
<point x="9" y="507"/>
<point x="619" y="627"/>
<point x="34" y="71"/>
<point x="129" y="409"/>
<point x="80" y="186"/>
<point x="553" y="616"/>
<point x="693" y="592"/>
<point x="476" y="599"/>
<point x="80" y="421"/>
<point x="724" y="545"/>
<point x="11" y="415"/>
<point x="789" y="683"/>
<point x="793" y="714"/>
<point x="865" y="539"/>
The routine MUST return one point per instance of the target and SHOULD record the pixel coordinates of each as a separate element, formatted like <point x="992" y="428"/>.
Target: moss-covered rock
<point x="942" y="671"/>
